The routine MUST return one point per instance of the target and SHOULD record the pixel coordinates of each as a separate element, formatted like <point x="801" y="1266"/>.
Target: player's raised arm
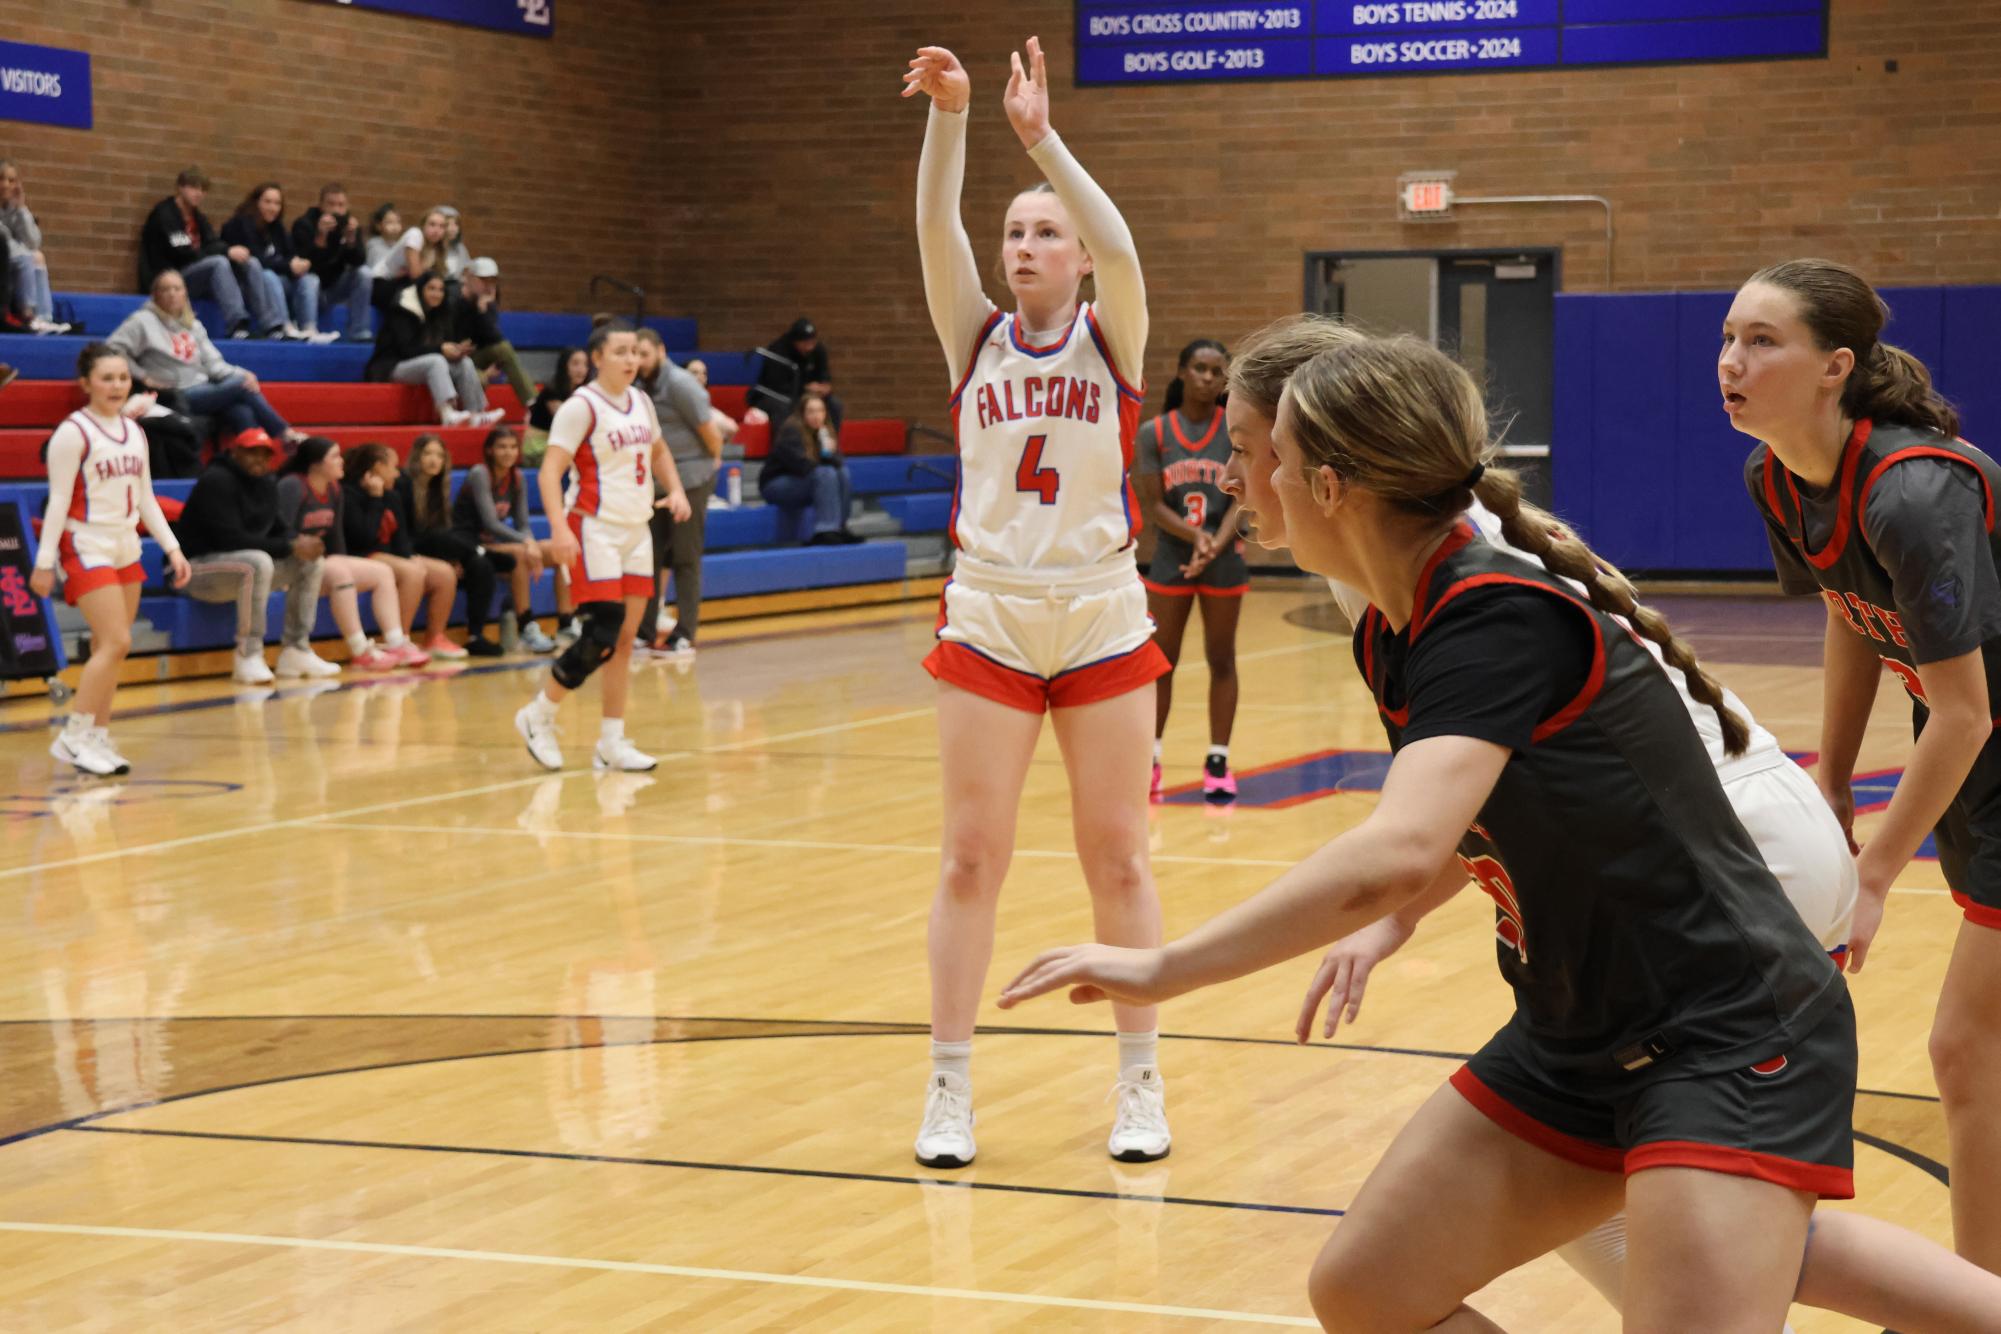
<point x="1121" y="302"/>
<point x="959" y="304"/>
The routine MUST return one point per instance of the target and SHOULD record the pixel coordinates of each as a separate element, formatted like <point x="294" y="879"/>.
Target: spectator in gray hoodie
<point x="21" y="242"/>
<point x="171" y="353"/>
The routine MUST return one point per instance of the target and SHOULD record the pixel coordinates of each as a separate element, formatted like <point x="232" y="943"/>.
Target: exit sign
<point x="1424" y="196"/>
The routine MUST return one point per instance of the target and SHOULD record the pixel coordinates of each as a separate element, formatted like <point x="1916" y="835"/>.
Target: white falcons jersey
<point x="610" y="441"/>
<point x="1045" y="445"/>
<point x="111" y="478"/>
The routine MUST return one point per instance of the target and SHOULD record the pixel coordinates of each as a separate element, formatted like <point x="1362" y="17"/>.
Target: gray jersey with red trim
<point x="1642" y="932"/>
<point x="1189" y="461"/>
<point x="1902" y="545"/>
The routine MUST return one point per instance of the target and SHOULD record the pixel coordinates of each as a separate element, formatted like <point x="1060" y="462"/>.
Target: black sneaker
<point x="240" y="329"/>
<point x="481" y="647"/>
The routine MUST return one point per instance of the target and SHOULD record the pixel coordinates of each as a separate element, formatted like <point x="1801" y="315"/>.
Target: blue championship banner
<point x="524" y="18"/>
<point x="1164" y="41"/>
<point x="45" y="84"/>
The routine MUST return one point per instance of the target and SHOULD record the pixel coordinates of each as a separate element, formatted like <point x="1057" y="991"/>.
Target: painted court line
<point x="725" y="841"/>
<point x="667" y="1271"/>
<point x="305" y="821"/>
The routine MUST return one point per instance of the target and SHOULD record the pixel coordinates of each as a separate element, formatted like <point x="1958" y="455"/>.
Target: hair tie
<point x="1473" y="478"/>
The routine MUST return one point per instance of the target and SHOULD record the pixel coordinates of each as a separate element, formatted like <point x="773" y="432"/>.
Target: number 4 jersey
<point x="1045" y="442"/>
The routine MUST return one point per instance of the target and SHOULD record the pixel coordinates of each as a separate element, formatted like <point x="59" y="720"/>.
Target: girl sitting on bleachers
<point x="426" y="487"/>
<point x="309" y="501"/>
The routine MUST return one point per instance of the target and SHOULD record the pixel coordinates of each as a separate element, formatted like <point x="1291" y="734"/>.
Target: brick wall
<point x="522" y="135"/>
<point x="1713" y="170"/>
<point x="752" y="162"/>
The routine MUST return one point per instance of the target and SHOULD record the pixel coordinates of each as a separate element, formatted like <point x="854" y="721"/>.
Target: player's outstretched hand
<point x="1027" y="97"/>
<point x="179" y="572"/>
<point x="937" y="73"/>
<point x="1862" y="928"/>
<point x="1344" y="975"/>
<point x="1093" y="973"/>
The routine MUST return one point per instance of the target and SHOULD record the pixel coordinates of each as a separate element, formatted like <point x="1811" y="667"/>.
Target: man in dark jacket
<point x="178" y="235"/>
<point x="476" y="320"/>
<point x="330" y="237"/>
<point x="240" y="549"/>
<point x="792" y="364"/>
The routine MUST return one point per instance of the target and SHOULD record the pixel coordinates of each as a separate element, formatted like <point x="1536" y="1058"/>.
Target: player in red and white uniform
<point x="100" y="488"/>
<point x="599" y="529"/>
<point x="1045" y="611"/>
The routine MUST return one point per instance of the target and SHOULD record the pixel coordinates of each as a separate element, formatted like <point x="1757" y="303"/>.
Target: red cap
<point x="254" y="438"/>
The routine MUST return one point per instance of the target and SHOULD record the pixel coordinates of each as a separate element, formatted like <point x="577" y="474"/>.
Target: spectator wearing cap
<point x="179" y="236"/>
<point x="240" y="549"/>
<point x="790" y="366"/>
<point x="476" y="320"/>
<point x="328" y="237"/>
<point x="21" y="245"/>
<point x="171" y="354"/>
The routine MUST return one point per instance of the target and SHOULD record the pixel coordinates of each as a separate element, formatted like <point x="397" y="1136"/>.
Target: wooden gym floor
<point x="339" y="1014"/>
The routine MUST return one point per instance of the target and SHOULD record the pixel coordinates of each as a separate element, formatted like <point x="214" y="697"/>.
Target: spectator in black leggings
<point x="426" y="484"/>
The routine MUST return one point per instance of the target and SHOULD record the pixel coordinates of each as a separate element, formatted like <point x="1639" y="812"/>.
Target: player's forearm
<point x="1445" y="886"/>
<point x="1848" y="691"/>
<point x="550" y="480"/>
<point x="1121" y="303"/>
<point x="1933" y="775"/>
<point x="1365" y="874"/>
<point x="958" y="302"/>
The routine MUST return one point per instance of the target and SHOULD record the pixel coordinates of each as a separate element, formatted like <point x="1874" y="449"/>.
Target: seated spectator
<point x="286" y="280"/>
<point x="806" y="469"/>
<point x="425" y="488"/>
<point x="791" y="365"/>
<point x="573" y="371"/>
<point x="172" y="355"/>
<point x="239" y="549"/>
<point x="476" y="320"/>
<point x="21" y="240"/>
<point x="725" y="423"/>
<point x="377" y="525"/>
<point x="309" y="501"/>
<point x="417" y="346"/>
<point x="178" y="237"/>
<point x="682" y="406"/>
<point x="385" y="231"/>
<point x="457" y="258"/>
<point x="492" y="509"/>
<point x="328" y="238"/>
<point x="419" y="251"/>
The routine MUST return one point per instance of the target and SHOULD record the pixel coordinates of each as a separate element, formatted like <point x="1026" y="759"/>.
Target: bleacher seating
<point x="752" y="549"/>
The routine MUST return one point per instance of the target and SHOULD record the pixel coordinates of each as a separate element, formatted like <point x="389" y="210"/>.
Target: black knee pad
<point x="600" y="624"/>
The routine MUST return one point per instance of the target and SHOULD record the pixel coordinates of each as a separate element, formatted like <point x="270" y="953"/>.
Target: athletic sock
<point x="1156" y="750"/>
<point x="1137" y="1049"/>
<point x="1218" y="762"/>
<point x="955" y="1058"/>
<point x="357" y="643"/>
<point x="611" y="731"/>
<point x="394" y="638"/>
<point x="542" y="707"/>
<point x="80" y="722"/>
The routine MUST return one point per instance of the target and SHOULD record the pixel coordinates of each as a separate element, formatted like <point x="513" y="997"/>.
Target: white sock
<point x="1220" y="753"/>
<point x="611" y="732"/>
<point x="395" y="638"/>
<point x="1137" y="1049"/>
<point x="80" y="722"/>
<point x="542" y="707"/>
<point x="955" y="1058"/>
<point x="1156" y="750"/>
<point x="357" y="643"/>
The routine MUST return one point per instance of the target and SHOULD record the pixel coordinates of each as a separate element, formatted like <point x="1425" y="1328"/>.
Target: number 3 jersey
<point x="1639" y="927"/>
<point x="1045" y="442"/>
<point x="1190" y="462"/>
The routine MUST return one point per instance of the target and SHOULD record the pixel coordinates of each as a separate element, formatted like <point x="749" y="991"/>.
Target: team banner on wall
<point x="528" y="18"/>
<point x="1163" y="41"/>
<point x="44" y="84"/>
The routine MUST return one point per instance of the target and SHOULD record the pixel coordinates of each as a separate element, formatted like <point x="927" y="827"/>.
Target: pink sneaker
<point x="407" y="654"/>
<point x="377" y="659"/>
<point x="1219" y="785"/>
<point x="441" y="647"/>
<point x="1153" y="793"/>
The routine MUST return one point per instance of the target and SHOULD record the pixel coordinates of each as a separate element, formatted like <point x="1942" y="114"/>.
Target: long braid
<point x="1533" y="530"/>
